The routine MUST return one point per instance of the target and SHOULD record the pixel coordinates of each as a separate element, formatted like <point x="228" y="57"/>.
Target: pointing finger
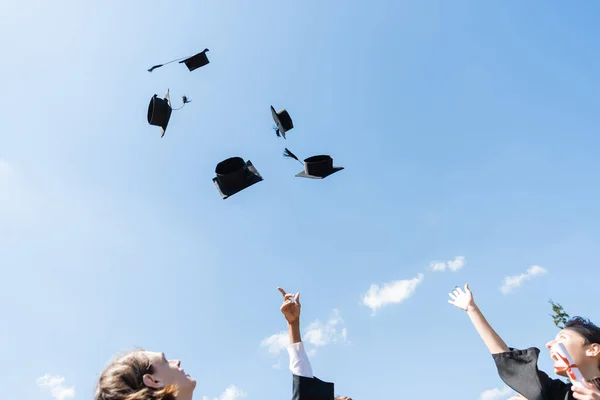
<point x="282" y="291"/>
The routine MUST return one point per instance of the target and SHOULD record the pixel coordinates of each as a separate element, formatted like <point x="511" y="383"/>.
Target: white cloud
<point x="317" y="334"/>
<point x="438" y="266"/>
<point x="456" y="264"/>
<point x="452" y="265"/>
<point x="55" y="385"/>
<point x="515" y="281"/>
<point x="321" y="334"/>
<point x="496" y="394"/>
<point x="394" y="292"/>
<point x="276" y="342"/>
<point x="231" y="393"/>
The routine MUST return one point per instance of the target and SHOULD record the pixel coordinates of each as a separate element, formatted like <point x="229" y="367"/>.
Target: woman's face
<point x="168" y="372"/>
<point x="575" y="345"/>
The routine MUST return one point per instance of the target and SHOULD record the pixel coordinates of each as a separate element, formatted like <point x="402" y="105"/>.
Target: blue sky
<point x="466" y="128"/>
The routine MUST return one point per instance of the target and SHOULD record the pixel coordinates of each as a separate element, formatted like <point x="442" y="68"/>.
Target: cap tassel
<point x="184" y="100"/>
<point x="289" y="154"/>
<point x="277" y="132"/>
<point x="160" y="65"/>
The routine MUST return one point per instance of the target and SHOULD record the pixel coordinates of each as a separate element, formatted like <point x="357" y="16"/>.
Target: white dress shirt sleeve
<point x="299" y="363"/>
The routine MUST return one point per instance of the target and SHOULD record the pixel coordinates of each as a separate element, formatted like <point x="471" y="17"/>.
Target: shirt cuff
<point x="299" y="363"/>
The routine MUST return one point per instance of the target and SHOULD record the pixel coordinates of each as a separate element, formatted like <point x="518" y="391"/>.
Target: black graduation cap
<point x="234" y="175"/>
<point x="315" y="167"/>
<point x="305" y="388"/>
<point x="159" y="111"/>
<point x="194" y="62"/>
<point x="283" y="121"/>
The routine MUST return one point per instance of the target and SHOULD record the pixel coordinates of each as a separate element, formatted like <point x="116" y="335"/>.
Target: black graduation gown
<point x="518" y="369"/>
<point x="311" y="389"/>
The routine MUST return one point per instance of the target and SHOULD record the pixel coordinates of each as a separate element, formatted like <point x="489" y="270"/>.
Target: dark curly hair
<point x="587" y="329"/>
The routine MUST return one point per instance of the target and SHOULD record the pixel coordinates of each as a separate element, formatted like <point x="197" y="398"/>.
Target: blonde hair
<point x="123" y="379"/>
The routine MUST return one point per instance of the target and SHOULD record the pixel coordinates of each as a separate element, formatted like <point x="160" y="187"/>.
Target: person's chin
<point x="560" y="372"/>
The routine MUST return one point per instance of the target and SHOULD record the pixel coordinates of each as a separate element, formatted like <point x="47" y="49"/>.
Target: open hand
<point x="585" y="392"/>
<point x="462" y="299"/>
<point x="291" y="306"/>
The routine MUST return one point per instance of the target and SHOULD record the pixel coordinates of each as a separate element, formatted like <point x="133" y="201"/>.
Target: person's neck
<point x="184" y="396"/>
<point x="590" y="372"/>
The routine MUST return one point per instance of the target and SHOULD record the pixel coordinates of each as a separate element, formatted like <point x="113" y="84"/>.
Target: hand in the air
<point x="343" y="398"/>
<point x="462" y="299"/>
<point x="585" y="392"/>
<point x="291" y="306"/>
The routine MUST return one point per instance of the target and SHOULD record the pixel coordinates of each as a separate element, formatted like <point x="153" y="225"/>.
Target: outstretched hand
<point x="462" y="299"/>
<point x="291" y="306"/>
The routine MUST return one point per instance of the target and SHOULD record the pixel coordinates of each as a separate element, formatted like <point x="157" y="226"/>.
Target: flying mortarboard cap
<point x="315" y="167"/>
<point x="234" y="175"/>
<point x="159" y="112"/>
<point x="282" y="120"/>
<point x="318" y="167"/>
<point x="194" y="62"/>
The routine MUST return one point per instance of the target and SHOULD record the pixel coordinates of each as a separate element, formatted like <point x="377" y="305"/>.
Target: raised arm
<point x="306" y="386"/>
<point x="464" y="300"/>
<point x="517" y="368"/>
<point x="299" y="362"/>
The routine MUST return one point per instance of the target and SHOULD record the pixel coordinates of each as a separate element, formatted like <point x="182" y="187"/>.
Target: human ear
<point x="152" y="382"/>
<point x="593" y="350"/>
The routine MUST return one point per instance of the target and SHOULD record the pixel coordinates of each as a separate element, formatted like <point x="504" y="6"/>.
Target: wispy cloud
<point x="276" y="342"/>
<point x="231" y="393"/>
<point x="515" y="281"/>
<point x="452" y="265"/>
<point x="394" y="292"/>
<point x="317" y="334"/>
<point x="321" y="334"/>
<point x="496" y="394"/>
<point x="55" y="385"/>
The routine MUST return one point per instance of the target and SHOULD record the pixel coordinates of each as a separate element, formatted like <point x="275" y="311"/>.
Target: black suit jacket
<point x="311" y="389"/>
